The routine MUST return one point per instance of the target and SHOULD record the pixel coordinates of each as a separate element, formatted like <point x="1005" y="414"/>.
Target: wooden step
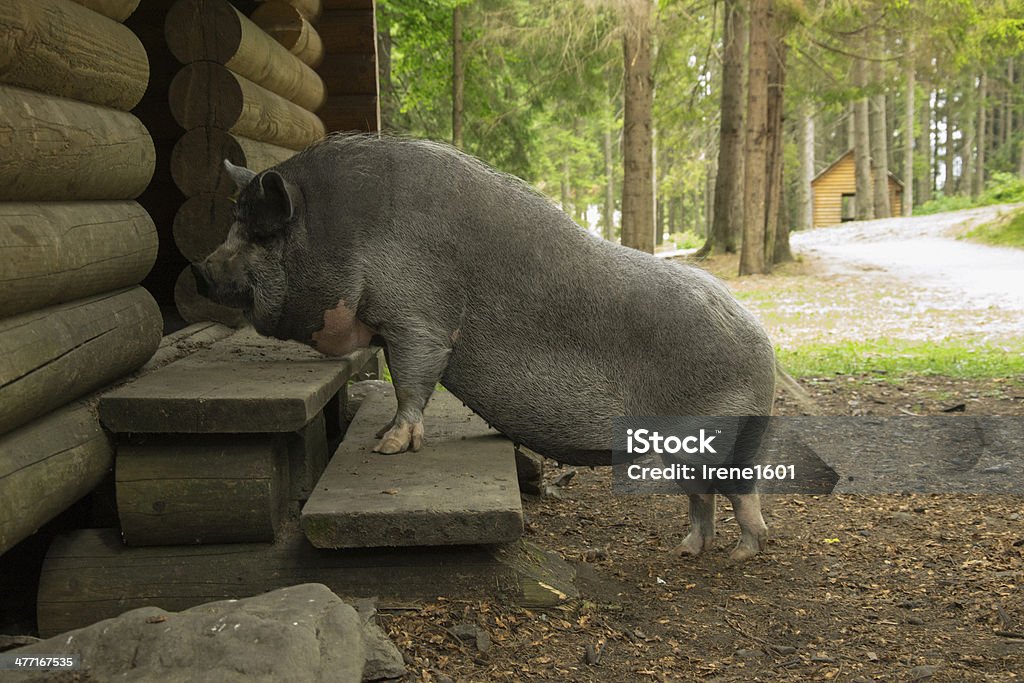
<point x="242" y="384"/>
<point x="90" y="574"/>
<point x="461" y="488"/>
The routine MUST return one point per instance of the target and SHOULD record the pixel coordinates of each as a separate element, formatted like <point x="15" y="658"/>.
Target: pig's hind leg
<point x="753" y="531"/>
<point x="416" y="368"/>
<point x="702" y="525"/>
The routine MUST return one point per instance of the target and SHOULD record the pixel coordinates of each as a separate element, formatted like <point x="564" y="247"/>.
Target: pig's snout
<point x="217" y="281"/>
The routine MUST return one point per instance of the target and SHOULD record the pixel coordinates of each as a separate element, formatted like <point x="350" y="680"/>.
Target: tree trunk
<point x="773" y="168"/>
<point x="879" y="146"/>
<point x="908" y="135"/>
<point x="565" y="187"/>
<point x="805" y="152"/>
<point x="862" y="147"/>
<point x="752" y="255"/>
<point x="947" y="185"/>
<point x="1010" y="90"/>
<point x="964" y="182"/>
<point x="727" y="214"/>
<point x="458" y="75"/>
<point x="638" y="172"/>
<point x="979" y="166"/>
<point x="609" y="187"/>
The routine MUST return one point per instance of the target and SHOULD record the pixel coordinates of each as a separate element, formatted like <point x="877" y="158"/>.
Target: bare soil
<point x="850" y="588"/>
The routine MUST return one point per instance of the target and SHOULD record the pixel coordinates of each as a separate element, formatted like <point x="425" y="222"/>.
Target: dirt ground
<point x="850" y="588"/>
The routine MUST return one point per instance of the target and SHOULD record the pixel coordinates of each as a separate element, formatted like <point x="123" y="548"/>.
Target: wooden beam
<point x="208" y="94"/>
<point x="351" y="112"/>
<point x="61" y="48"/>
<point x="47" y="465"/>
<point x="118" y="10"/>
<point x="350" y="74"/>
<point x="200" y="489"/>
<point x="285" y="24"/>
<point x="348" y="31"/>
<point x="201" y="224"/>
<point x="55" y="355"/>
<point x="90" y="575"/>
<point x="197" y="162"/>
<point x="214" y="31"/>
<point x="62" y="150"/>
<point x="53" y="252"/>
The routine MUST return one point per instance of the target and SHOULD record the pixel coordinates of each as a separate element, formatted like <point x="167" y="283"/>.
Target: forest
<point x="703" y="123"/>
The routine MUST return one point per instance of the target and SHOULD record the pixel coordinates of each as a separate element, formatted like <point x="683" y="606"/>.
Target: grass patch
<point x="894" y="359"/>
<point x="1002" y="188"/>
<point x="1005" y="231"/>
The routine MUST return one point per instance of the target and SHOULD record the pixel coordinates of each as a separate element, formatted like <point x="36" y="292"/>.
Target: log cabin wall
<point x="115" y="116"/>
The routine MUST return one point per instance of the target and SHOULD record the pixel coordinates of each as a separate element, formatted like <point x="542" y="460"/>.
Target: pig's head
<point x="247" y="271"/>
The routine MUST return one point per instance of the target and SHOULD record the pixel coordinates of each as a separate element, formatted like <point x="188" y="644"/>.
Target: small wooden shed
<point x="835" y="193"/>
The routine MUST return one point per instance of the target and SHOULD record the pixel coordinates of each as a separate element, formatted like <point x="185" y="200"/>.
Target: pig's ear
<point x="240" y="174"/>
<point x="277" y="197"/>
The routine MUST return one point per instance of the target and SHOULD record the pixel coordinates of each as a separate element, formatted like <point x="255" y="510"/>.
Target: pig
<point x="469" y="277"/>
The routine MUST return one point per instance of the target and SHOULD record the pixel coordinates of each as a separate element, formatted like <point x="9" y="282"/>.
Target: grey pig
<point x="469" y="277"/>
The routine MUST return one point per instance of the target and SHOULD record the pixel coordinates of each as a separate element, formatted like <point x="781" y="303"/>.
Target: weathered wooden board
<point x="214" y="31"/>
<point x="351" y="112"/>
<point x="197" y="162"/>
<point x="246" y="384"/>
<point x="55" y="252"/>
<point x="47" y="465"/>
<point x="348" y="30"/>
<point x="118" y="10"/>
<point x="200" y="489"/>
<point x="55" y="355"/>
<point x="461" y="487"/>
<point x="61" y="150"/>
<point x="90" y="575"/>
<point x="307" y="456"/>
<point x="208" y="94"/>
<point x="350" y="74"/>
<point x="285" y="24"/>
<point x="61" y="48"/>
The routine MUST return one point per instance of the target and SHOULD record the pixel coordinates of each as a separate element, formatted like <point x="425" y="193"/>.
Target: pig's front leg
<point x="416" y="368"/>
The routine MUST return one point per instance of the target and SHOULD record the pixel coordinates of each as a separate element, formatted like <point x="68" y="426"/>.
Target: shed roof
<point x="835" y="163"/>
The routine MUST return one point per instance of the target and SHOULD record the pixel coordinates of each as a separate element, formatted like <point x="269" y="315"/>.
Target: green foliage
<point x="1005" y="231"/>
<point x="893" y="359"/>
<point x="1002" y="188"/>
<point x="686" y="240"/>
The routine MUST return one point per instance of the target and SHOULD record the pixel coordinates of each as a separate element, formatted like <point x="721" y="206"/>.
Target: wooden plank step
<point x="90" y="574"/>
<point x="460" y="488"/>
<point x="208" y="488"/>
<point x="242" y="384"/>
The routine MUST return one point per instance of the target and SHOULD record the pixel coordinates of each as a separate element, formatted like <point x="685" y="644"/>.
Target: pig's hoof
<point x="401" y="437"/>
<point x="747" y="547"/>
<point x="385" y="429"/>
<point x="693" y="544"/>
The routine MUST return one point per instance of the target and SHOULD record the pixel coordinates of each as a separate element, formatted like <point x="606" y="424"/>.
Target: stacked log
<point x="242" y="94"/>
<point x="73" y="245"/>
<point x="349" y="69"/>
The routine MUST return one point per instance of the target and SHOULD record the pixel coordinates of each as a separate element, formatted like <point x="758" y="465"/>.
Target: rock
<point x="11" y="642"/>
<point x="529" y="470"/>
<point x="919" y="673"/>
<point x="563" y="479"/>
<point x="783" y="649"/>
<point x="303" y="633"/>
<point x="384" y="661"/>
<point x="472" y="633"/>
<point x="743" y="652"/>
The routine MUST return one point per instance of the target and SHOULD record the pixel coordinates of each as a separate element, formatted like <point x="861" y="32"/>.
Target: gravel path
<point x="924" y="251"/>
